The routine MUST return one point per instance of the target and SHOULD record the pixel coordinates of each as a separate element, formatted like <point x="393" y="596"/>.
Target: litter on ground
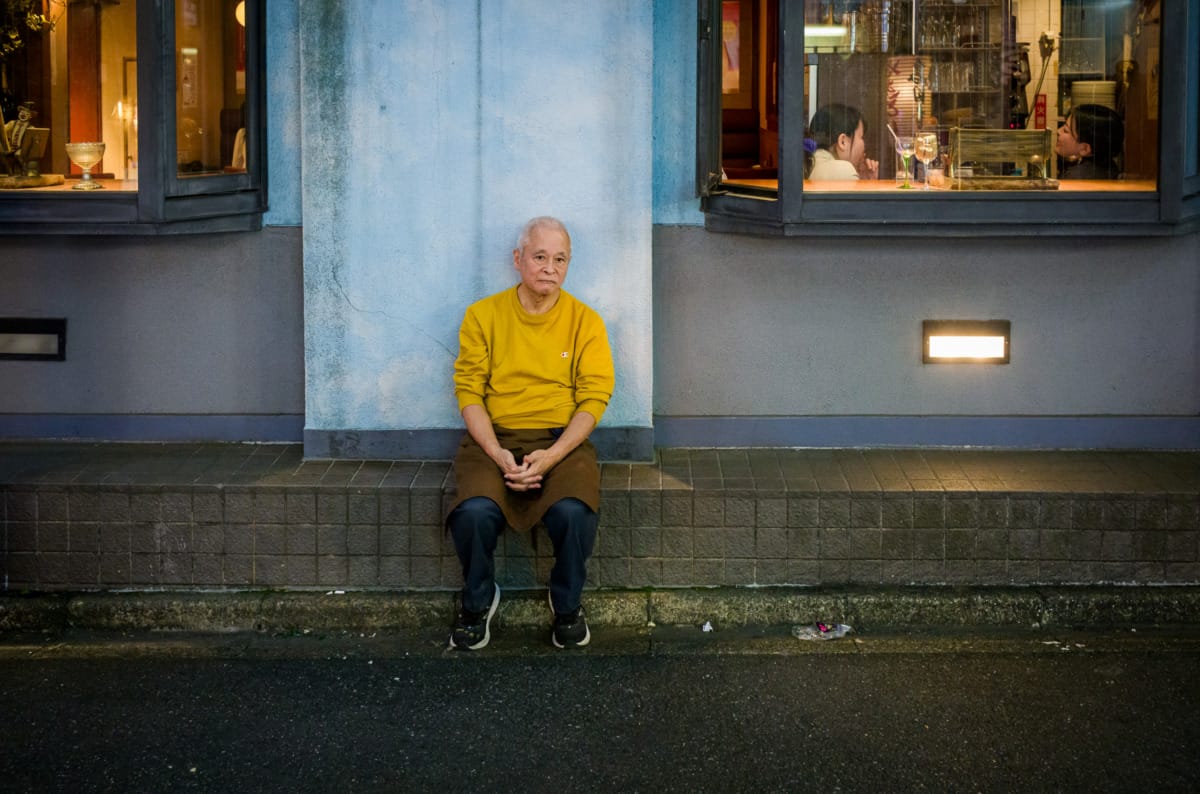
<point x="821" y="631"/>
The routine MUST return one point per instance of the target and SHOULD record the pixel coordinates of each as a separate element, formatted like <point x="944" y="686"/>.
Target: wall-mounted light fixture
<point x="965" y="341"/>
<point x="826" y="38"/>
<point x="33" y="339"/>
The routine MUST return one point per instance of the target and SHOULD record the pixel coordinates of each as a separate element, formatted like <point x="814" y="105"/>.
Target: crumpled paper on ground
<point x="821" y="631"/>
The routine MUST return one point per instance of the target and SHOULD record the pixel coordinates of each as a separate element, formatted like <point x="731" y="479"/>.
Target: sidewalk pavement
<point x="870" y="609"/>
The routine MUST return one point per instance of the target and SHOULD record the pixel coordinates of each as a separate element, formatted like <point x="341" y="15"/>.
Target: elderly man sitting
<point x="534" y="375"/>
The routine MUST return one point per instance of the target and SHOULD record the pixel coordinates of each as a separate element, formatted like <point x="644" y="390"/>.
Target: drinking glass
<point x="905" y="148"/>
<point x="926" y="149"/>
<point x="85" y="155"/>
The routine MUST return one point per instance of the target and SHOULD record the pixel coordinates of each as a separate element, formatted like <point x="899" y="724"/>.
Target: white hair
<point x="541" y="221"/>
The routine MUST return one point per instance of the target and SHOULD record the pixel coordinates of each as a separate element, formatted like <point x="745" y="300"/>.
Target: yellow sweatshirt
<point x="533" y="370"/>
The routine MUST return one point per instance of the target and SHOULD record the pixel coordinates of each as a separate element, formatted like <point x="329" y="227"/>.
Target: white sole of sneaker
<point x="487" y="625"/>
<point x="587" y="632"/>
<point x="587" y="637"/>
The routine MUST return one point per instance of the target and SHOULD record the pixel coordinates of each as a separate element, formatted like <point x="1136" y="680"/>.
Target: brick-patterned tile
<point x="394" y="571"/>
<point x="393" y="507"/>
<point x="646" y="541"/>
<point x="333" y="570"/>
<point x="238" y="569"/>
<point x="864" y="544"/>
<point x="804" y="543"/>
<point x="301" y="570"/>
<point x="645" y="509"/>
<point x="804" y="512"/>
<point x="866" y="512"/>
<point x="739" y="572"/>
<point x="677" y="543"/>
<point x="677" y="572"/>
<point x="363" y="508"/>
<point x="835" y="544"/>
<point x="332" y="508"/>
<point x="19" y="504"/>
<point x="270" y="539"/>
<point x="770" y="543"/>
<point x="896" y="512"/>
<point x="645" y="572"/>
<point x="331" y="539"/>
<point x="300" y="507"/>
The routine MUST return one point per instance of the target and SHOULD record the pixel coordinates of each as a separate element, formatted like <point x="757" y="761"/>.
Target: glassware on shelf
<point x="85" y="155"/>
<point x="905" y="148"/>
<point x="925" y="147"/>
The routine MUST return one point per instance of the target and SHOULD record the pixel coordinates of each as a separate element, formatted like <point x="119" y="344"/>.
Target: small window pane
<point x="749" y="38"/>
<point x="210" y="38"/>
<point x="70" y="76"/>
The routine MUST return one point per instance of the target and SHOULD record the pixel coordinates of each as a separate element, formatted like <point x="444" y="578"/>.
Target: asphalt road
<point x="1034" y="713"/>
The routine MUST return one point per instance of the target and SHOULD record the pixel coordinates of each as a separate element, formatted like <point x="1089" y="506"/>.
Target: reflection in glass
<point x="210" y="135"/>
<point x="71" y="76"/>
<point x="935" y="66"/>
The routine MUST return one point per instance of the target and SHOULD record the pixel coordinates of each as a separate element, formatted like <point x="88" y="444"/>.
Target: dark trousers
<point x="475" y="526"/>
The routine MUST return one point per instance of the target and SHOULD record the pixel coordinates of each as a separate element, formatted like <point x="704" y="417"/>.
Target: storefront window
<point x="72" y="80"/>
<point x="946" y="95"/>
<point x="131" y="117"/>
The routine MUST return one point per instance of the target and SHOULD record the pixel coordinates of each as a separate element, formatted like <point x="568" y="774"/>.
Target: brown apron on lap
<point x="577" y="475"/>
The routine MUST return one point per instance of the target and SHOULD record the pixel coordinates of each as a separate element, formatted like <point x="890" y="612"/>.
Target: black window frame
<point x="1172" y="209"/>
<point x="165" y="202"/>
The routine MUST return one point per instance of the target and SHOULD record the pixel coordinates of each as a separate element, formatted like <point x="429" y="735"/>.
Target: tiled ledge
<point x="101" y="516"/>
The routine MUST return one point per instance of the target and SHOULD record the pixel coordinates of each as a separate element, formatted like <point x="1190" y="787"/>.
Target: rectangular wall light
<point x="33" y="339"/>
<point x="965" y="341"/>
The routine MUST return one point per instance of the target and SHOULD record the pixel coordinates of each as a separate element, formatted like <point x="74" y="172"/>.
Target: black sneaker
<point x="570" y="628"/>
<point x="472" y="630"/>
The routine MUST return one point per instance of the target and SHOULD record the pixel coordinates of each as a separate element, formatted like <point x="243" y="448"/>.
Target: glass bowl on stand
<point x="85" y="155"/>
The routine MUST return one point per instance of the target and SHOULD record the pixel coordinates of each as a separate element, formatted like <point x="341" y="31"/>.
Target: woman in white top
<point x="835" y="147"/>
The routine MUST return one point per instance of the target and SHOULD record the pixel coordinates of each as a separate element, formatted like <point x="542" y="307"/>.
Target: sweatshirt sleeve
<point x="594" y="378"/>
<point x="473" y="365"/>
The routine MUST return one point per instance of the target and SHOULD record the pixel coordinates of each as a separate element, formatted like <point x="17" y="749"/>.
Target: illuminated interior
<point x="982" y="87"/>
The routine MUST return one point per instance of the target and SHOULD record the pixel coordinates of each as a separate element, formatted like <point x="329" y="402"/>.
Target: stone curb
<point x="866" y="608"/>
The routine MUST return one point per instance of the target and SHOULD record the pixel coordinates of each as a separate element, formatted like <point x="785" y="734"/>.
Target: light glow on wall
<point x="36" y="339"/>
<point x="966" y="341"/>
<point x="966" y="347"/>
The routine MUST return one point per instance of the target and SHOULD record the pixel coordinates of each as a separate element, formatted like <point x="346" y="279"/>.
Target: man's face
<point x="543" y="262"/>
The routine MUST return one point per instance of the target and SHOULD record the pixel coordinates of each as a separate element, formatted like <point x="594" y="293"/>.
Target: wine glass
<point x="926" y="149"/>
<point x="86" y="155"/>
<point x="905" y="148"/>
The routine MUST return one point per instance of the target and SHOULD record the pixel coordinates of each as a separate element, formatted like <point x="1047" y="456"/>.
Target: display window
<point x="980" y="101"/>
<point x="131" y="117"/>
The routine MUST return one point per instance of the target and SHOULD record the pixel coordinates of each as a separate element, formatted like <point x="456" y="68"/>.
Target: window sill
<point x="118" y="209"/>
<point x="892" y="186"/>
<point x="68" y="186"/>
<point x="1087" y="208"/>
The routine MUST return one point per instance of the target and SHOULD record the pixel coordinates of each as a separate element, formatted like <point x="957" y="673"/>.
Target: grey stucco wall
<point x="204" y="325"/>
<point x="832" y="327"/>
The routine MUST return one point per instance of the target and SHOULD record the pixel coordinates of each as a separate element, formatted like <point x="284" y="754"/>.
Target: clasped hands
<point x="526" y="475"/>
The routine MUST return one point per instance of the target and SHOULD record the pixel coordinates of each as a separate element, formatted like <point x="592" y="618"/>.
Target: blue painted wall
<point x="431" y="131"/>
<point x="675" y="201"/>
<point x="283" y="114"/>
